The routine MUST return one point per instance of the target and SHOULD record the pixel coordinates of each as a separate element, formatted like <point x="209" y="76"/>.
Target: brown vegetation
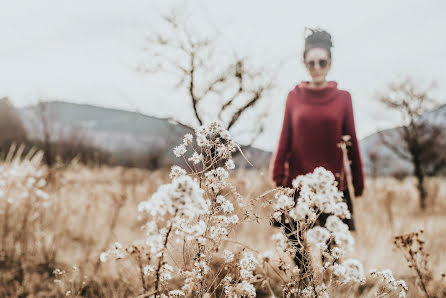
<point x="57" y="253"/>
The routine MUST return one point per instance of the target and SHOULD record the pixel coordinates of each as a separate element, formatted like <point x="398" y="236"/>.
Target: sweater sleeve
<point x="354" y="154"/>
<point x="281" y="153"/>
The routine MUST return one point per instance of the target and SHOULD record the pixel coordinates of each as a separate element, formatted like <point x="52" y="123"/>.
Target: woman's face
<point x="318" y="64"/>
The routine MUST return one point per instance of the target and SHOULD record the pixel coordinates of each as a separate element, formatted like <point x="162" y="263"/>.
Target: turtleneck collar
<point x="318" y="95"/>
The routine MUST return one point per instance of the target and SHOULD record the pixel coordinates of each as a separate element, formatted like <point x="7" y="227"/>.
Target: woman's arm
<point x="354" y="153"/>
<point x="282" y="151"/>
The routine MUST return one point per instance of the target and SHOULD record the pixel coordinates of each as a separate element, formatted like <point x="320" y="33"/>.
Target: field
<point x="52" y="242"/>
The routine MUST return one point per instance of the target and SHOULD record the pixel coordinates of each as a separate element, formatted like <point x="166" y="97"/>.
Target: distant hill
<point x="127" y="135"/>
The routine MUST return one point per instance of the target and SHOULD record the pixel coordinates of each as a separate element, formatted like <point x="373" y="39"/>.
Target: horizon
<point x="183" y="124"/>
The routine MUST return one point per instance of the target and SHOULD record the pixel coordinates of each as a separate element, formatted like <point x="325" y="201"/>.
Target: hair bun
<point x="318" y="39"/>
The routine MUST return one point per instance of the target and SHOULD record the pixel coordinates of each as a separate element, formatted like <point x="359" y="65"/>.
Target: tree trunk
<point x="418" y="171"/>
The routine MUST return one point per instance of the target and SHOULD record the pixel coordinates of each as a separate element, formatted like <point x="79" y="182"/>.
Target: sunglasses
<point x="322" y="63"/>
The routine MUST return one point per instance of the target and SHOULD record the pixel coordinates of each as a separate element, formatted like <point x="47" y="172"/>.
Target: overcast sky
<point x="86" y="51"/>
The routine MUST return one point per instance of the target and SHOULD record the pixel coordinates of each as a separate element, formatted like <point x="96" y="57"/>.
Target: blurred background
<point x="110" y="81"/>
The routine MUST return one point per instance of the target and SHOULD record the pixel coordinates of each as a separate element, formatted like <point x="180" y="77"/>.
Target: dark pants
<point x="300" y="259"/>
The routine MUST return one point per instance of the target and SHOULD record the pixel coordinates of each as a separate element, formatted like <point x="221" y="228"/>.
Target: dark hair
<point x="318" y="39"/>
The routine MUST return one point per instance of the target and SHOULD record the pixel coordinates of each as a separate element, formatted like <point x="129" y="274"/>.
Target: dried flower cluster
<point x="388" y="283"/>
<point x="412" y="247"/>
<point x="299" y="209"/>
<point x="194" y="214"/>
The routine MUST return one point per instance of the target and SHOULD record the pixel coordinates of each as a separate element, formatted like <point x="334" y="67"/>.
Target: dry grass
<point x="94" y="207"/>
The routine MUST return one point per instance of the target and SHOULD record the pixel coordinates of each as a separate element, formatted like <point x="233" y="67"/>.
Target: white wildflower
<point x="303" y="212"/>
<point x="166" y="273"/>
<point x="295" y="270"/>
<point x="318" y="236"/>
<point x="41" y="194"/>
<point x="342" y="236"/>
<point x="245" y="289"/>
<point x="187" y="140"/>
<point x="230" y="164"/>
<point x="248" y="262"/>
<point x="148" y="269"/>
<point x="176" y="294"/>
<point x="202" y="267"/>
<point x="308" y="292"/>
<point x="103" y="257"/>
<point x="334" y="224"/>
<point x="177" y="171"/>
<point x="216" y="232"/>
<point x="280" y="241"/>
<point x="277" y="216"/>
<point x="246" y="274"/>
<point x="354" y="271"/>
<point x="284" y="202"/>
<point x="216" y="179"/>
<point x="386" y="277"/>
<point x="228" y="256"/>
<point x="318" y="191"/>
<point x="337" y="253"/>
<point x="216" y="136"/>
<point x="196" y="158"/>
<point x="41" y="183"/>
<point x="225" y="205"/>
<point x="179" y="150"/>
<point x="321" y="291"/>
<point x="182" y="195"/>
<point x="233" y="219"/>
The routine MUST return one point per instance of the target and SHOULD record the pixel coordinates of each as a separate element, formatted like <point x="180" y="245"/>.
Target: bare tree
<point x="421" y="142"/>
<point x="44" y="118"/>
<point x="374" y="162"/>
<point x="11" y="126"/>
<point x="230" y="87"/>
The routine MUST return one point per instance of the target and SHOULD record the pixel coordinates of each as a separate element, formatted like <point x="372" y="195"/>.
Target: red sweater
<point x="314" y="122"/>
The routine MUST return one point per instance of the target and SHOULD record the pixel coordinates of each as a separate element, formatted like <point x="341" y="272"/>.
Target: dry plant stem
<point x="306" y="272"/>
<point x="275" y="271"/>
<point x="267" y="280"/>
<point x="146" y="294"/>
<point x="192" y="170"/>
<point x="171" y="257"/>
<point x="160" y="261"/>
<point x="269" y="191"/>
<point x="212" y="163"/>
<point x="141" y="271"/>
<point x="5" y="229"/>
<point x="184" y="252"/>
<point x="417" y="270"/>
<point x="406" y="247"/>
<point x="241" y="244"/>
<point x="215" y="277"/>
<point x="389" y="210"/>
<point x="243" y="154"/>
<point x="22" y="235"/>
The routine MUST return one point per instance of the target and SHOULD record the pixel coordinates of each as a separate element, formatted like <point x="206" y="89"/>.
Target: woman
<point x="317" y="115"/>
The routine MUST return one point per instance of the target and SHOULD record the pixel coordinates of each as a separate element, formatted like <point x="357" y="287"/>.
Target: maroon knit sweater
<point x="314" y="122"/>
